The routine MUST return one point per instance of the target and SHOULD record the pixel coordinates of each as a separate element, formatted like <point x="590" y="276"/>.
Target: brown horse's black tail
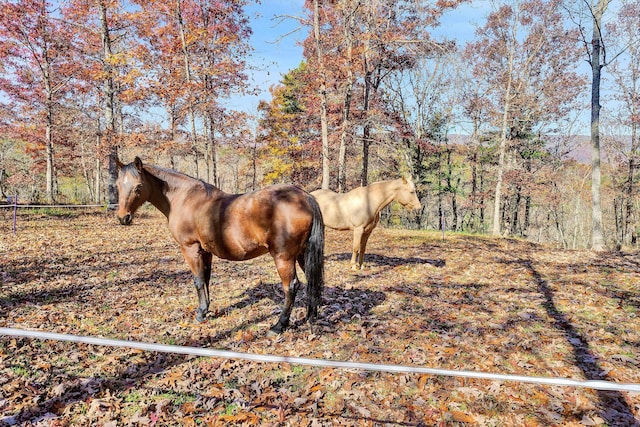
<point x="314" y="261"/>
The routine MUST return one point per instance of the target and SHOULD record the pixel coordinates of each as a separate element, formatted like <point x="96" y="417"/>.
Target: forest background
<point x="491" y="126"/>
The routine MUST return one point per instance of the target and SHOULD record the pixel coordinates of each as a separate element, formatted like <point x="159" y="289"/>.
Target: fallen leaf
<point x="461" y="417"/>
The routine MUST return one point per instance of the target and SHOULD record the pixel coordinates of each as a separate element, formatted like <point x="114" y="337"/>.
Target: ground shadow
<point x="613" y="406"/>
<point x="621" y="262"/>
<point x="338" y="308"/>
<point x="383" y="260"/>
<point x="75" y="291"/>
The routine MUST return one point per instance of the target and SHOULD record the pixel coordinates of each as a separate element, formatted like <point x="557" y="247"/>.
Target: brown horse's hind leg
<point x="200" y="263"/>
<point x="287" y="271"/>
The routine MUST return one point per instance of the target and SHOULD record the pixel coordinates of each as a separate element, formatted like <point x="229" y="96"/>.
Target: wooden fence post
<point x="15" y="214"/>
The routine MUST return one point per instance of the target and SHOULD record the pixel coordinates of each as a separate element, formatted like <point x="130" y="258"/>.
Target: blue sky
<point x="460" y="24"/>
<point x="276" y="41"/>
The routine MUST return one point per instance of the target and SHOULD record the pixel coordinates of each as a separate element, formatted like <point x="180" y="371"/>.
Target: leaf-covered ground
<point x="465" y="303"/>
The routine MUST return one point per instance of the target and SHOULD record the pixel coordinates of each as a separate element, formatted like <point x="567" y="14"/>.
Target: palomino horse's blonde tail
<point x="314" y="261"/>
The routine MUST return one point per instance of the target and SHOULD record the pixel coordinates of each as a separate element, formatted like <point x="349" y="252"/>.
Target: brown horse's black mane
<point x="178" y="180"/>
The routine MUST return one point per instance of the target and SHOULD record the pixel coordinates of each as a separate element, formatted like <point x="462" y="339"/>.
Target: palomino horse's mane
<point x="383" y="183"/>
<point x="387" y="181"/>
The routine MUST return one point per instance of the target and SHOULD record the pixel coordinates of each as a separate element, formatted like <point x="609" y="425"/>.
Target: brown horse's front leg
<point x="287" y="271"/>
<point x="200" y="263"/>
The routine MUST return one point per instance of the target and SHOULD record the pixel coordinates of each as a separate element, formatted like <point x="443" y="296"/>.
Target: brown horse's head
<point x="133" y="190"/>
<point x="406" y="195"/>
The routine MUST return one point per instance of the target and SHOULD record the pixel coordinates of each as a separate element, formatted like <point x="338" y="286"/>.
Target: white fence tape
<point x="196" y="351"/>
<point x="19" y="206"/>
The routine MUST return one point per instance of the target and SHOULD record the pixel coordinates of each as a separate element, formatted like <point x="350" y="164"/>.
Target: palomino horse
<point x="359" y="209"/>
<point x="281" y="220"/>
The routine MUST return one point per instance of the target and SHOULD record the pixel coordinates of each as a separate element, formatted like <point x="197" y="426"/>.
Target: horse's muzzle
<point x="125" y="220"/>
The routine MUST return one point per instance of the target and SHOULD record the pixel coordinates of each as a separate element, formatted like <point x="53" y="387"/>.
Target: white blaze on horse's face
<point x="407" y="195"/>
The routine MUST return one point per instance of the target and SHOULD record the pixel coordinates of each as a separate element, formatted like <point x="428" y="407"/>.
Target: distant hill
<point x="576" y="147"/>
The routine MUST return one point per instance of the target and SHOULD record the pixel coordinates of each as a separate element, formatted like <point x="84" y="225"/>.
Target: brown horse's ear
<point x="119" y="164"/>
<point x="404" y="179"/>
<point x="138" y="163"/>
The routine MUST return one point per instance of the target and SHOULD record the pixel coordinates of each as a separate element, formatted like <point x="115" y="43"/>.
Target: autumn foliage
<point x="488" y="126"/>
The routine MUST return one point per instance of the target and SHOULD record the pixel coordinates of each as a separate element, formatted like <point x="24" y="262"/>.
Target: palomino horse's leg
<point x="368" y="229"/>
<point x="363" y="245"/>
<point x="355" y="254"/>
<point x="200" y="263"/>
<point x="287" y="271"/>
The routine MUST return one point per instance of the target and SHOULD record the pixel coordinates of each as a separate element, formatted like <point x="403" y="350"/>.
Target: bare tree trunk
<point x="451" y="188"/>
<point x="85" y="172"/>
<point x="254" y="164"/>
<point x="475" y="147"/>
<point x="108" y="92"/>
<point x="50" y="178"/>
<point x="50" y="184"/>
<point x="473" y="221"/>
<point x="323" y="99"/>
<point x="482" y="206"/>
<point x="630" y="219"/>
<point x="631" y="236"/>
<point x="97" y="186"/>
<point x="366" y="131"/>
<point x="215" y="180"/>
<point x="527" y="216"/>
<point x="171" y="110"/>
<point x="346" y="108"/>
<point x="597" y="235"/>
<point x="515" y="210"/>
<point x="501" y="158"/>
<point x="503" y="133"/>
<point x="187" y="74"/>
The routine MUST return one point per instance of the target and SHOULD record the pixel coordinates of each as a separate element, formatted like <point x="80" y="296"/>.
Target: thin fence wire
<point x="28" y="206"/>
<point x="15" y="206"/>
<point x="267" y="358"/>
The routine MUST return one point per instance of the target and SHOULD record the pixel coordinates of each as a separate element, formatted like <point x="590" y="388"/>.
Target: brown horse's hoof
<point x="278" y="328"/>
<point x="355" y="267"/>
<point x="275" y="331"/>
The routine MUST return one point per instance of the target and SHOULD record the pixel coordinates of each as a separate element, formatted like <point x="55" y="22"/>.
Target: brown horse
<point x="359" y="209"/>
<point x="281" y="220"/>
